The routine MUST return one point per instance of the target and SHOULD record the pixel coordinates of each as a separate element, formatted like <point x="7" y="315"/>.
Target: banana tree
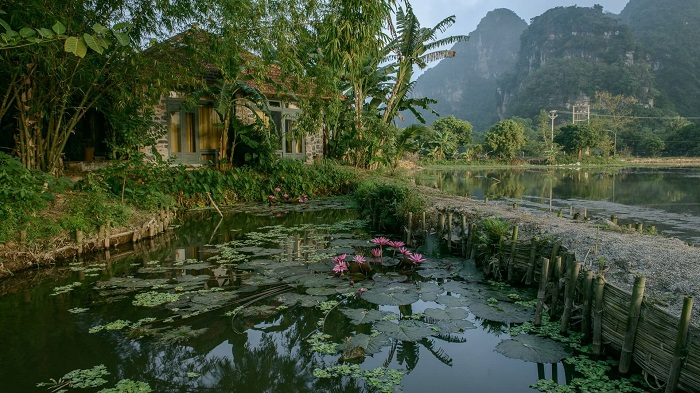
<point x="413" y="45"/>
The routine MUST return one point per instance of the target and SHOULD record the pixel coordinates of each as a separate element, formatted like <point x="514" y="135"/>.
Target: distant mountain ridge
<point x="565" y="56"/>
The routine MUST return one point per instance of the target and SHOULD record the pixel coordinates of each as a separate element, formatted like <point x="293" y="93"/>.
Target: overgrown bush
<point x="387" y="205"/>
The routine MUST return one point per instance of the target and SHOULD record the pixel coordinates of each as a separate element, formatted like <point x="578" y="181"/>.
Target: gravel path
<point x="671" y="267"/>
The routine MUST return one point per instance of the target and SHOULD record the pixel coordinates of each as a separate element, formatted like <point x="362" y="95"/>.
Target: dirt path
<point x="671" y="267"/>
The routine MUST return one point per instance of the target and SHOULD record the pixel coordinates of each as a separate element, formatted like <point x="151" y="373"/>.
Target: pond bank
<point x="15" y="257"/>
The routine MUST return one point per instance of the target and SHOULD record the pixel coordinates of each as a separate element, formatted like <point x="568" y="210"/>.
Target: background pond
<point x="668" y="198"/>
<point x="248" y="304"/>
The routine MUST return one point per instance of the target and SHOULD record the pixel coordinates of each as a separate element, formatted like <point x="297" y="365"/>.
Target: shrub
<point x="386" y="204"/>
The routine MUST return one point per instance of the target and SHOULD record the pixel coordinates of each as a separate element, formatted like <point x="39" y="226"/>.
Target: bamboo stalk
<point x="464" y="234"/>
<point x="449" y="231"/>
<point x="470" y="239"/>
<point x="681" y="341"/>
<point x="425" y="227"/>
<point x="513" y="243"/>
<point x="598" y="316"/>
<point x="441" y="226"/>
<point x="632" y="321"/>
<point x="557" y="273"/>
<point x="531" y="264"/>
<point x="409" y="220"/>
<point x="586" y="319"/>
<point x="542" y="292"/>
<point x="570" y="291"/>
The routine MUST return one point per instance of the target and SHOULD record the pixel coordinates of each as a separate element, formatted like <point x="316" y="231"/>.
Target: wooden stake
<point x="511" y="262"/>
<point x="598" y="315"/>
<point x="214" y="203"/>
<point x="531" y="264"/>
<point x="409" y="220"/>
<point x="632" y="321"/>
<point x="587" y="301"/>
<point x="441" y="226"/>
<point x="570" y="292"/>
<point x="557" y="274"/>
<point x="639" y="227"/>
<point x="425" y="227"/>
<point x="680" y="352"/>
<point x="542" y="292"/>
<point x="79" y="238"/>
<point x="449" y="231"/>
<point x="464" y="235"/>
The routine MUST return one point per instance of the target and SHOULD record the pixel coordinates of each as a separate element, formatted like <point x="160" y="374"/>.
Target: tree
<point x="462" y="129"/>
<point x="575" y="138"/>
<point x="617" y="108"/>
<point x="413" y="45"/>
<point x="505" y="139"/>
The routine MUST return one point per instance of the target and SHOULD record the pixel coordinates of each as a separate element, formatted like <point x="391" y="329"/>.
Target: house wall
<point x="160" y="116"/>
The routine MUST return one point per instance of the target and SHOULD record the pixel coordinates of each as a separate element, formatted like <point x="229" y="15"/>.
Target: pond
<point x="667" y="198"/>
<point x="249" y="303"/>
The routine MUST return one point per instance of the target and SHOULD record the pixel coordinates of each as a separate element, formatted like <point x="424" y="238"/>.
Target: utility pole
<point x="581" y="113"/>
<point x="553" y="115"/>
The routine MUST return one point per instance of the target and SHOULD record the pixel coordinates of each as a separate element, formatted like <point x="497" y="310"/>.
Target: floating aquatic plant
<point x="533" y="349"/>
<point x="77" y="310"/>
<point x="128" y="386"/>
<point x="80" y="378"/>
<point x="153" y="299"/>
<point x="65" y="288"/>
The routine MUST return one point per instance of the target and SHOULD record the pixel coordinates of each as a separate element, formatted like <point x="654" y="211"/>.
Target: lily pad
<point x="392" y="295"/>
<point x="360" y="316"/>
<point x="390" y="277"/>
<point x="405" y="330"/>
<point x="452" y="301"/>
<point x="533" y="349"/>
<point x="436" y="273"/>
<point x="439" y="314"/>
<point x="290" y="299"/>
<point x="454" y="326"/>
<point x="429" y="291"/>
<point x="371" y="344"/>
<point x="457" y="287"/>
<point x="322" y="291"/>
<point x="503" y="312"/>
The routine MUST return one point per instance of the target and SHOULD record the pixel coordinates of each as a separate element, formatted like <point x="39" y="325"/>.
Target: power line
<point x="639" y="117"/>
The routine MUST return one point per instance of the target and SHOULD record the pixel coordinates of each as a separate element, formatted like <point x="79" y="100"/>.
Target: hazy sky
<point x="470" y="12"/>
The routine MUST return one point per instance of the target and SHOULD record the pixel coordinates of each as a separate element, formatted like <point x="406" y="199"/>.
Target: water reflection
<point x="264" y="348"/>
<point x="667" y="198"/>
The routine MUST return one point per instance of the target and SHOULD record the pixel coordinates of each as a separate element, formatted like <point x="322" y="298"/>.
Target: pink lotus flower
<point x="277" y="189"/>
<point x="416" y="258"/>
<point x="376" y="252"/>
<point x="301" y="201"/>
<point x="340" y="258"/>
<point x="380" y="241"/>
<point x="405" y="251"/>
<point x="396" y="244"/>
<point x="340" y="267"/>
<point x="286" y="196"/>
<point x="361" y="291"/>
<point x="359" y="259"/>
<point x="271" y="197"/>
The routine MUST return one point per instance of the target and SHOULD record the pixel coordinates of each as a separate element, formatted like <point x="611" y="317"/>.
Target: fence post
<point x="632" y="321"/>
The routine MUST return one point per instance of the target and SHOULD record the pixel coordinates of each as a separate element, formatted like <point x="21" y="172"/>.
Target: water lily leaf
<point x="371" y="344"/>
<point x="470" y="272"/>
<point x="453" y="326"/>
<point x="451" y="301"/>
<point x="457" y="287"/>
<point x="533" y="349"/>
<point x="445" y="314"/>
<point x="257" y="311"/>
<point x="290" y="299"/>
<point x="436" y="273"/>
<point x="405" y="330"/>
<point x="318" y="281"/>
<point x="359" y="316"/>
<point x="429" y="291"/>
<point x="392" y="295"/>
<point x="322" y="291"/>
<point x="503" y="312"/>
<point x="390" y="277"/>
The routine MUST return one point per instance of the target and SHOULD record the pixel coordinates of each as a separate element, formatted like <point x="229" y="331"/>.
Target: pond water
<point x="248" y="303"/>
<point x="668" y="198"/>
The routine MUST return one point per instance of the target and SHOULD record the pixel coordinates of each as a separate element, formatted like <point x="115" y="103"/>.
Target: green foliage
<point x="128" y="386"/>
<point x="575" y="138"/>
<point x="80" y="378"/>
<point x="387" y="205"/>
<point x="684" y="142"/>
<point x="492" y="230"/>
<point x="506" y="138"/>
<point x="461" y="128"/>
